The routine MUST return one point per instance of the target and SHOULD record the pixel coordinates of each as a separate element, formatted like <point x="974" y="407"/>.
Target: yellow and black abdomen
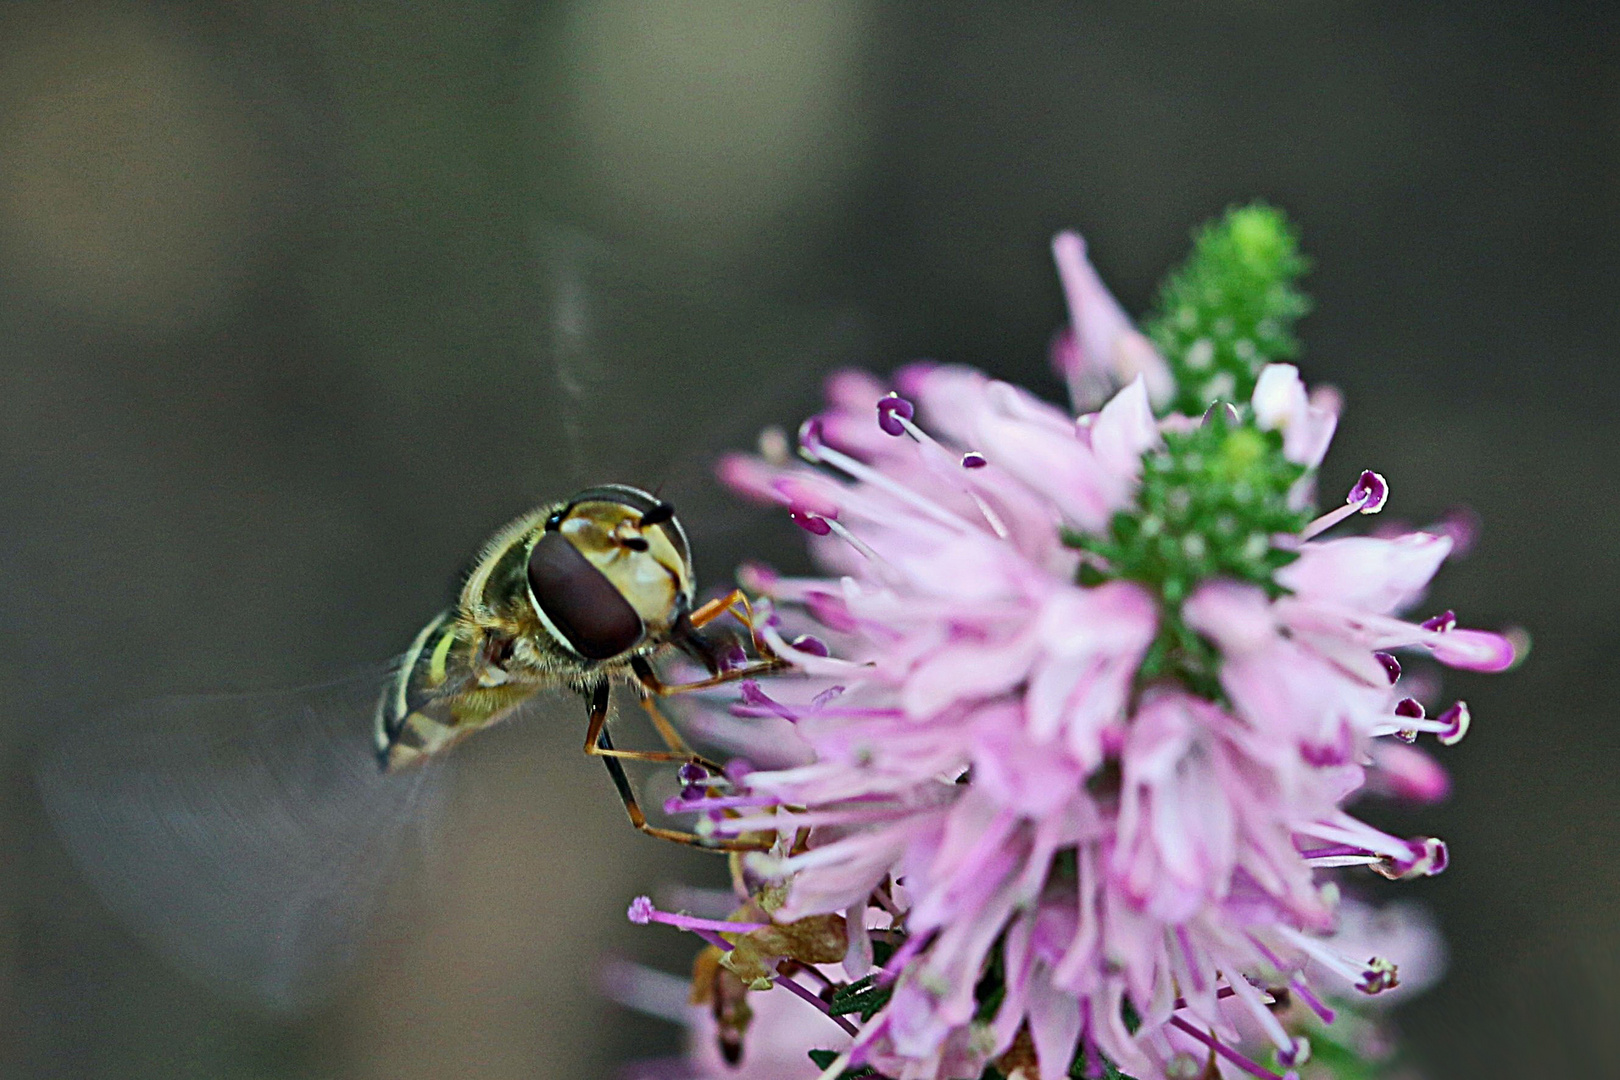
<point x="437" y="696"/>
<point x="423" y="669"/>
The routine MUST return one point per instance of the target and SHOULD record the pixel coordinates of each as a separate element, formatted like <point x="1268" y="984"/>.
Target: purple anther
<point x="892" y="411"/>
<point x="831" y="612"/>
<point x="812" y="437"/>
<point x="974" y="460"/>
<point x="809" y="643"/>
<point x="759" y="699"/>
<point x="826" y="697"/>
<point x="1297" y="1054"/>
<point x="641" y="910"/>
<point x="1411" y="709"/>
<point x="1456" y="720"/>
<point x="757" y="577"/>
<point x="1392" y="666"/>
<point x="1426" y="857"/>
<point x="1371" y="491"/>
<point x="1441" y="623"/>
<point x="810" y="522"/>
<point x="1379" y="975"/>
<point x="692" y="773"/>
<point x="732" y="657"/>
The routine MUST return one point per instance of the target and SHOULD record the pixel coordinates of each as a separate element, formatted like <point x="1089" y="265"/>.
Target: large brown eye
<point x="580" y="601"/>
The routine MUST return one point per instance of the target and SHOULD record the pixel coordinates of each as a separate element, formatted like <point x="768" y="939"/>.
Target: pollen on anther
<point x="1456" y="720"/>
<point x="1441" y="623"/>
<point x="811" y="438"/>
<point x="1371" y="490"/>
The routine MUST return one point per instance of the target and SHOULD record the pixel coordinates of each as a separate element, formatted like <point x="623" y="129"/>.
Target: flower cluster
<point x="1084" y="698"/>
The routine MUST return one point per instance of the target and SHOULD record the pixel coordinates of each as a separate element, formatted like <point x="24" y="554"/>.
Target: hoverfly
<point x="574" y="595"/>
<point x="251" y="834"/>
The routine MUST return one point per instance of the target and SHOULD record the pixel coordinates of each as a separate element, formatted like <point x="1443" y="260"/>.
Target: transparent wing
<point x="654" y="373"/>
<point x="249" y="837"/>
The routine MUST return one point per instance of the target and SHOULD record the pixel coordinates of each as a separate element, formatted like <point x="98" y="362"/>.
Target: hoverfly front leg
<point x="734" y="603"/>
<point x="598" y="744"/>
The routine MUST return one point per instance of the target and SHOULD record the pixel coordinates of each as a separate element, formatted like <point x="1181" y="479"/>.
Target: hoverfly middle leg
<point x="598" y="744"/>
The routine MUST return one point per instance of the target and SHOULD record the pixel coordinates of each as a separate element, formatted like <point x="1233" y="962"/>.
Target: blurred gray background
<point x="299" y="300"/>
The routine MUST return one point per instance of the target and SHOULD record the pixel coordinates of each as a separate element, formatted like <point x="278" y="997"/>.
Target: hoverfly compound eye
<point x="581" y="607"/>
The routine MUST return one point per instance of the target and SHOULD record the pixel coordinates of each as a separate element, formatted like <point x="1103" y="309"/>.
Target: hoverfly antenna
<point x="659" y="514"/>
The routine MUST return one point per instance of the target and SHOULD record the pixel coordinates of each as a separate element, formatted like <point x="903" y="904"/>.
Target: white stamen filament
<point x="1412" y="723"/>
<point x="855" y="542"/>
<point x="1330" y="519"/>
<point x="1325" y="862"/>
<point x="1361" y="835"/>
<point x="1331" y="959"/>
<point x="859" y="471"/>
<point x="952" y="475"/>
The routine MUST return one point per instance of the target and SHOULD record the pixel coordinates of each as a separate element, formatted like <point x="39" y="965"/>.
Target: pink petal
<point x="1474" y="650"/>
<point x="1380" y="576"/>
<point x="1279" y="397"/>
<point x="1124" y="429"/>
<point x="1280" y="403"/>
<point x="1234" y="615"/>
<point x="1018" y="773"/>
<point x="967" y="672"/>
<point x="1054" y="1025"/>
<point x="1106" y="341"/>
<point x="1405" y="772"/>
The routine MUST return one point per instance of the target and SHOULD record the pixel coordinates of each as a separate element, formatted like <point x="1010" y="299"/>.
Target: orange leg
<point x="736" y="603"/>
<point x="599" y="745"/>
<point x="658" y="688"/>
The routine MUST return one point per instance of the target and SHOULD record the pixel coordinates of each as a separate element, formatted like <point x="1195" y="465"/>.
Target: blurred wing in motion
<point x="653" y="373"/>
<point x="249" y="837"/>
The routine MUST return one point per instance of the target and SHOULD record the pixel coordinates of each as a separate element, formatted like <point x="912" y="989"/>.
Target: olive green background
<point x="299" y="300"/>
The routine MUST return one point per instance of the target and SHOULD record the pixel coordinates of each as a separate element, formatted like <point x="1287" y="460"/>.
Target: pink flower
<point x="1087" y="701"/>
